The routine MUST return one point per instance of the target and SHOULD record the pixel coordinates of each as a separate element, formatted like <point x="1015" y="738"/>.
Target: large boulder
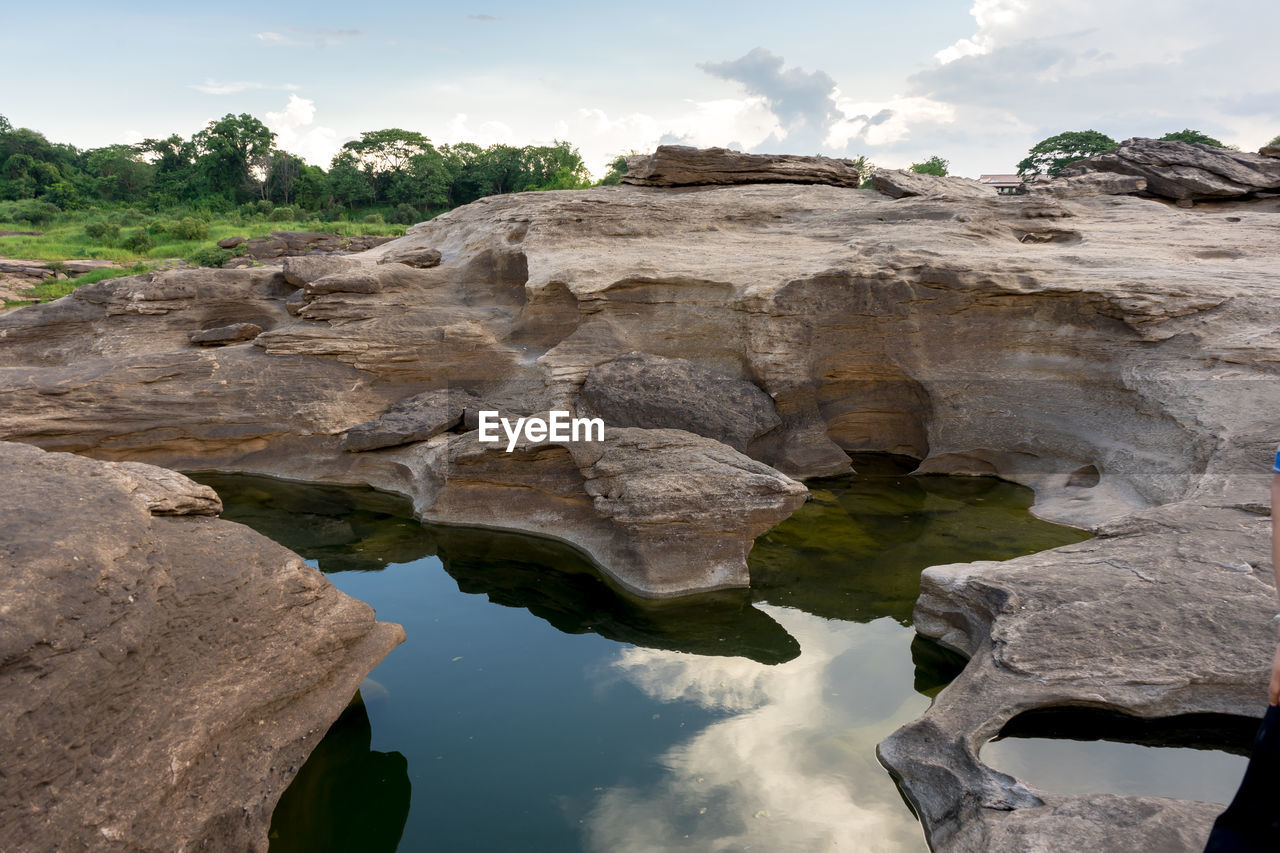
<point x="415" y="418"/>
<point x="1186" y="170"/>
<point x="642" y="390"/>
<point x="684" y="165"/>
<point x="163" y="673"/>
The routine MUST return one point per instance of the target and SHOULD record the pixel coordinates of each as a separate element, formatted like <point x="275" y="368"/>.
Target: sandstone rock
<point x="1270" y="151"/>
<point x="663" y="512"/>
<point x="1114" y="353"/>
<point x="683" y="165"/>
<point x="222" y="335"/>
<point x="231" y="242"/>
<point x="304" y="269"/>
<point x="419" y="258"/>
<point x="1184" y="170"/>
<point x="415" y="418"/>
<point x="162" y="674"/>
<point x="641" y="390"/>
<point x="900" y="183"/>
<point x="1090" y="184"/>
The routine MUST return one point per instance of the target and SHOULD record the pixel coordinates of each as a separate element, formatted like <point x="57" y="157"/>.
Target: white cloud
<point x="215" y="87"/>
<point x="296" y="134"/>
<point x="307" y="37"/>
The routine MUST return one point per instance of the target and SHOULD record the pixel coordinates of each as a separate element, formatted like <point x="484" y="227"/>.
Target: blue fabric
<point x="1276" y="467"/>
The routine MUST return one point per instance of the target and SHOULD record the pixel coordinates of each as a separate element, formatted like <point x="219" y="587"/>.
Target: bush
<point x="374" y="219"/>
<point x="210" y="256"/>
<point x="191" y="228"/>
<point x="282" y="214"/>
<point x="35" y="212"/>
<point x="138" y="242"/>
<point x="103" y="232"/>
<point x="131" y="217"/>
<point x="407" y="214"/>
<point x="160" y="227"/>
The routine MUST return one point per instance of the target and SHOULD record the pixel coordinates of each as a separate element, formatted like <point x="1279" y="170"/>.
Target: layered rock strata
<point x="163" y="673"/>
<point x="1115" y="353"/>
<point x="1187" y="171"/>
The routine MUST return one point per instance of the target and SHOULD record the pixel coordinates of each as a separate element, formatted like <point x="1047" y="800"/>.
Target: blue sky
<point x="975" y="81"/>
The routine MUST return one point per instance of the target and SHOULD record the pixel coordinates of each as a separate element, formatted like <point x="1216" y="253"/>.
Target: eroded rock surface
<point x="415" y="418"/>
<point x="163" y="673"/>
<point x="1185" y="170"/>
<point x="1116" y="353"/>
<point x="684" y="165"/>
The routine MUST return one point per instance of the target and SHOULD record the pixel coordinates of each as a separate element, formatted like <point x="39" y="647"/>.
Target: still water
<point x="533" y="708"/>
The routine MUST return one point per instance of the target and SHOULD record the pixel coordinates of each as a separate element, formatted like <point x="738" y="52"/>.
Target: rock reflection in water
<point x="717" y="722"/>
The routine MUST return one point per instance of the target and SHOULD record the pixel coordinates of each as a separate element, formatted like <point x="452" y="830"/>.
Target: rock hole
<point x="1085" y="478"/>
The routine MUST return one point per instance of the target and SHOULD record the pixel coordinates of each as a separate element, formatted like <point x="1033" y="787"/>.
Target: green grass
<point x="51" y="289"/>
<point x="64" y="238"/>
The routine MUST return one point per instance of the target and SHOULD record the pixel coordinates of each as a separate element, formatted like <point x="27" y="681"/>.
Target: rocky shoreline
<point x="1111" y="351"/>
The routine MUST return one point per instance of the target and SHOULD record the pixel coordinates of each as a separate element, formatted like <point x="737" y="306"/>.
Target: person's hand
<point x="1273" y="693"/>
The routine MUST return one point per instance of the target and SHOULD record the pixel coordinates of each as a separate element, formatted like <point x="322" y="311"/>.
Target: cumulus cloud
<point x="803" y="101"/>
<point x="297" y="133"/>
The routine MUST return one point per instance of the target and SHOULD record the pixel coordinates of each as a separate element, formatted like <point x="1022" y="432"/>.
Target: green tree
<point x="119" y="173"/>
<point x="935" y="165"/>
<point x="1194" y="136"/>
<point x="5" y="127"/>
<point x="348" y="183"/>
<point x="226" y="151"/>
<point x="617" y="168"/>
<point x="1275" y="141"/>
<point x="1050" y="156"/>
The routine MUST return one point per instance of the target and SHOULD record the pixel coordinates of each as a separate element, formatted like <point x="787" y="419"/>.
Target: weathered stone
<point x="162" y="673"/>
<point x="663" y="512"/>
<point x="415" y="418"/>
<point x="304" y="269"/>
<point x="1184" y="170"/>
<point x="1270" y="151"/>
<point x="231" y="242"/>
<point x="642" y="390"/>
<point x="1090" y="184"/>
<point x="900" y="183"/>
<point x="222" y="335"/>
<point x="1115" y="353"/>
<point x="419" y="258"/>
<point x="683" y="165"/>
<point x="355" y="281"/>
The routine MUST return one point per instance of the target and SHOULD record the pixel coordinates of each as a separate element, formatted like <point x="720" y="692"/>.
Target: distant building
<point x="1005" y="184"/>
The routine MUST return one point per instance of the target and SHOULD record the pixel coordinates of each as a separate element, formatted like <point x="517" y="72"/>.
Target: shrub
<point x="103" y="232"/>
<point x="138" y="242"/>
<point x="282" y="214"/>
<point x="35" y="212"/>
<point x="161" y="227"/>
<point x="374" y="219"/>
<point x="210" y="256"/>
<point x="191" y="228"/>
<point x="131" y="217"/>
<point x="407" y="214"/>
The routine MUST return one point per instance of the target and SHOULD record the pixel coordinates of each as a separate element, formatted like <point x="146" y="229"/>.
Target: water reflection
<point x="1090" y="750"/>
<point x="718" y="722"/>
<point x="793" y="767"/>
<point x="346" y="796"/>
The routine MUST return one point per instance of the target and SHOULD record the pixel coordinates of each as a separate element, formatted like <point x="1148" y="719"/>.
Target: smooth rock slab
<point x="221" y="335"/>
<point x="163" y="674"/>
<point x="1184" y="170"/>
<point x="684" y="165"/>
<point x="642" y="390"/>
<point x="415" y="418"/>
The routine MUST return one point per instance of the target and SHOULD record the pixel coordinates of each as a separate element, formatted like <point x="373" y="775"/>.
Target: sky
<point x="977" y="82"/>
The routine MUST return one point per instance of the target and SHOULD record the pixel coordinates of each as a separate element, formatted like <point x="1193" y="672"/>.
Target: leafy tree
<point x="5" y="127"/>
<point x="617" y="168"/>
<point x="1050" y="156"/>
<point x="1194" y="136"/>
<point x="226" y="150"/>
<point x="118" y="172"/>
<point x="935" y="165"/>
<point x="1275" y="141"/>
<point x="348" y="183"/>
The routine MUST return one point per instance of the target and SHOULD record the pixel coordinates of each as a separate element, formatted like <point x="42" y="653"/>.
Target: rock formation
<point x="1115" y="353"/>
<point x="684" y="165"/>
<point x="164" y="673"/>
<point x="1185" y="170"/>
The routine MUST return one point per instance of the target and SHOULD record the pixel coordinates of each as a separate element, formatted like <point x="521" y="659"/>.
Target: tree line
<point x="234" y="160"/>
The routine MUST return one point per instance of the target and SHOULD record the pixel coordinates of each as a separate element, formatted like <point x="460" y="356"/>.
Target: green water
<point x="534" y="708"/>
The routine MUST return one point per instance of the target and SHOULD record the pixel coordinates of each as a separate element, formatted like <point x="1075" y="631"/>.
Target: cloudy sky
<point x="975" y="81"/>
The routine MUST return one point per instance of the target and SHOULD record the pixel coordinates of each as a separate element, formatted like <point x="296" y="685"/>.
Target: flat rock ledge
<point x="163" y="673"/>
<point x="1187" y="171"/>
<point x="684" y="166"/>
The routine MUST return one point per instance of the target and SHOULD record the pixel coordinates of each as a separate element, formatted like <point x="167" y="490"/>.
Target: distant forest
<point x="234" y="162"/>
